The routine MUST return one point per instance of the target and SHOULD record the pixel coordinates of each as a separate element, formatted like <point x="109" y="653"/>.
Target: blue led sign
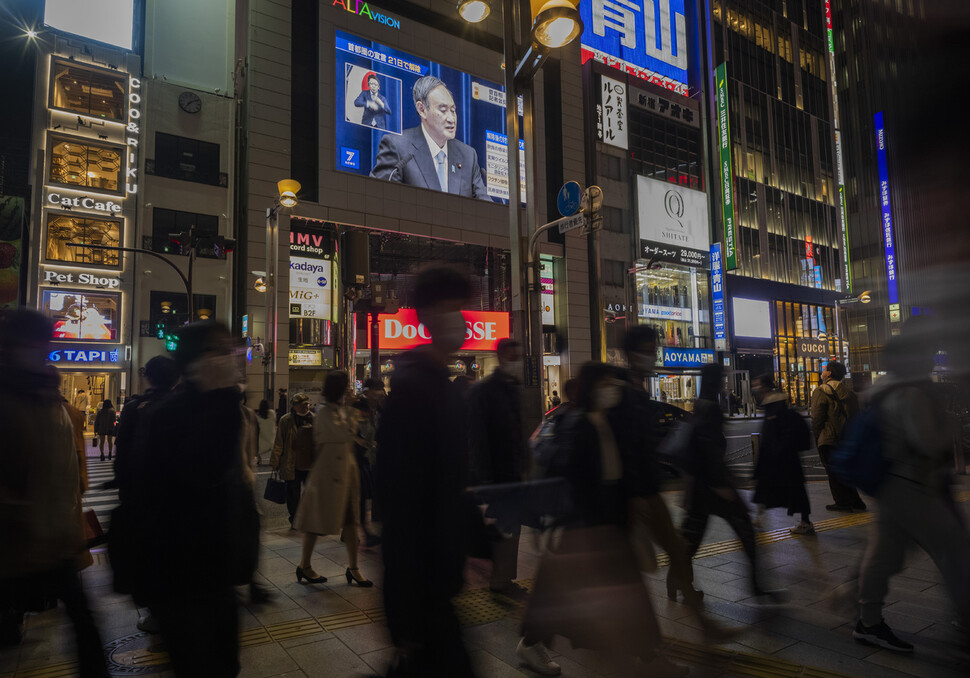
<point x="717" y="294"/>
<point x="646" y="38"/>
<point x="94" y="357"/>
<point x="887" y="214"/>
<point x="687" y="357"/>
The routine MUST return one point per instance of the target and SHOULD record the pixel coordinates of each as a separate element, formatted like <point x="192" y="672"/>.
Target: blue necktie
<point x="442" y="176"/>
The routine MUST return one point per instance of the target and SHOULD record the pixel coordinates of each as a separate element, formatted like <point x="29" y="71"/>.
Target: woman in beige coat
<point x="331" y="499"/>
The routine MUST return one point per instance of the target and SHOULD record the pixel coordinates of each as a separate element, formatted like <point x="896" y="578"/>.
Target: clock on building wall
<point x="190" y="102"/>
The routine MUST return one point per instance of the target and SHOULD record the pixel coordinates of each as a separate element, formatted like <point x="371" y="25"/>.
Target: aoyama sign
<point x="483" y="330"/>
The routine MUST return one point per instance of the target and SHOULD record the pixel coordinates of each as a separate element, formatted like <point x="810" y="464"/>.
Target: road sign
<point x="570" y="196"/>
<point x="570" y="223"/>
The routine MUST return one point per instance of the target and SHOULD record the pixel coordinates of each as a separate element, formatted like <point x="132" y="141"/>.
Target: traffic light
<point x="221" y="246"/>
<point x="167" y="330"/>
<point x="179" y="243"/>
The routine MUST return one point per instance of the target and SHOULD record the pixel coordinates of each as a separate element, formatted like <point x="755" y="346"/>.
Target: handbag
<point x="275" y="489"/>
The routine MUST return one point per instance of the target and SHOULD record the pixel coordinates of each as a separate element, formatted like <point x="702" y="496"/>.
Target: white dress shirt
<point x="434" y="148"/>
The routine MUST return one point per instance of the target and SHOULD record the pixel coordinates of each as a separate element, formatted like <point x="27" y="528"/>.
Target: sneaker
<point x="803" y="528"/>
<point x="880" y="635"/>
<point x="536" y="658"/>
<point x="839" y="507"/>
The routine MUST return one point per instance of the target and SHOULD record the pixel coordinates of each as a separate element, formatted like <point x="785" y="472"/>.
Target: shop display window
<point x="83" y="316"/>
<point x="798" y="375"/>
<point x="668" y="302"/>
<point x="172" y="307"/>
<point x="63" y="228"/>
<point x="88" y="91"/>
<point x="86" y="164"/>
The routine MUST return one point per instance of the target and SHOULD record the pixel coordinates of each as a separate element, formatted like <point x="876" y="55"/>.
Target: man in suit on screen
<point x="376" y="108"/>
<point x="429" y="155"/>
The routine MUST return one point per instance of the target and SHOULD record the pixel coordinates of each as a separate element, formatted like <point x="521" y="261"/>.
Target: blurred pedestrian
<point x="778" y="469"/>
<point x="589" y="588"/>
<point x="833" y="404"/>
<point x="365" y="452"/>
<point x="266" y="421"/>
<point x="915" y="503"/>
<point x="77" y="423"/>
<point x="104" y="426"/>
<point x="127" y="539"/>
<point x="248" y="449"/>
<point x="201" y="543"/>
<point x="40" y="505"/>
<point x="331" y="501"/>
<point x="82" y="401"/>
<point x="293" y="451"/>
<point x="636" y="424"/>
<point x="712" y="490"/>
<point x="499" y="449"/>
<point x="281" y="408"/>
<point x="422" y="461"/>
<point x="554" y="399"/>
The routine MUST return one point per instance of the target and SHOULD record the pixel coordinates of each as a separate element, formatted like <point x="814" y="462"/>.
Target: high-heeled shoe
<point x="673" y="586"/>
<point x="354" y="577"/>
<point x="301" y="574"/>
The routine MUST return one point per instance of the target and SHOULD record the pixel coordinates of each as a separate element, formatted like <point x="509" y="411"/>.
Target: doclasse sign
<point x="688" y="357"/>
<point x="483" y="330"/>
<point x="110" y="282"/>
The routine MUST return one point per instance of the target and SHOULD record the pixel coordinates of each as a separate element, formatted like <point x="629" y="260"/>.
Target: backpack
<point x="858" y="460"/>
<point x="845" y="409"/>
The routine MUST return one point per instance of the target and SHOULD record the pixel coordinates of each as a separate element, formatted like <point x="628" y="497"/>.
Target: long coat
<point x="781" y="481"/>
<point x="333" y="486"/>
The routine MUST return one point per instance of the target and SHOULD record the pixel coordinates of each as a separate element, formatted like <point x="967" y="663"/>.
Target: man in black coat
<point x="422" y="468"/>
<point x="500" y="453"/>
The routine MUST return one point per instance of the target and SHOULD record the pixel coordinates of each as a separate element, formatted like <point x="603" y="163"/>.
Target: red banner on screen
<point x="401" y="331"/>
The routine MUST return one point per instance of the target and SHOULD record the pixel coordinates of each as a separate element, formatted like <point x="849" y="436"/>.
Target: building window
<point x="85" y="164"/>
<point x="165" y="222"/>
<point x="83" y="316"/>
<point x="171" y="308"/>
<point x="63" y="228"/>
<point x="186" y="159"/>
<point x="88" y="91"/>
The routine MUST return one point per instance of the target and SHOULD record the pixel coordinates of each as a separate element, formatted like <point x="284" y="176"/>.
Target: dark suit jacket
<point x="373" y="118"/>
<point x="406" y="159"/>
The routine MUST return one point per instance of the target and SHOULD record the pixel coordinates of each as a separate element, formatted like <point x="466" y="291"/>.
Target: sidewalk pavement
<point x="335" y="630"/>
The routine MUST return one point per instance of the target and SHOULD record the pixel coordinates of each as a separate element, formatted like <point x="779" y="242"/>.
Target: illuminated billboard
<point x="408" y="120"/>
<point x="107" y="21"/>
<point x="645" y="38"/>
<point x="84" y="316"/>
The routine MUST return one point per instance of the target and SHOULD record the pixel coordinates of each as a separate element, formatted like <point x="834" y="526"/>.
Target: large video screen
<point x="408" y="120"/>
<point x="752" y="318"/>
<point x="108" y="21"/>
<point x="83" y="316"/>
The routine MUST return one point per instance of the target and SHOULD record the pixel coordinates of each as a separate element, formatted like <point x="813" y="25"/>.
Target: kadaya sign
<point x="483" y="330"/>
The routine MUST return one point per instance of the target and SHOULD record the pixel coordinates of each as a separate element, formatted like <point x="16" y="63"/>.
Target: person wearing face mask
<point x="589" y="589"/>
<point x="713" y="489"/>
<point x="200" y="540"/>
<point x="421" y="474"/>
<point x="499" y="448"/>
<point x="293" y="453"/>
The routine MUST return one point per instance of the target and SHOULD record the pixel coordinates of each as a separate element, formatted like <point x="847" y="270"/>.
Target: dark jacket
<point x="499" y="451"/>
<point x="634" y="424"/>
<point x="370" y="117"/>
<point x="707" y="466"/>
<point x="422" y="460"/>
<point x="833" y="403"/>
<point x="778" y="470"/>
<point x="104" y="422"/>
<point x="194" y="455"/>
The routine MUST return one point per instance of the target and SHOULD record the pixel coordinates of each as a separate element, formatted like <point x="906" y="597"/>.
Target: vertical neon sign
<point x="887" y="214"/>
<point x="843" y="222"/>
<point x="727" y="179"/>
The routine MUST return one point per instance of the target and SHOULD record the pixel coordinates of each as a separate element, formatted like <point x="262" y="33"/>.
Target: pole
<point x="269" y="353"/>
<point x="139" y="250"/>
<point x="191" y="298"/>
<point x="274" y="301"/>
<point x="375" y="348"/>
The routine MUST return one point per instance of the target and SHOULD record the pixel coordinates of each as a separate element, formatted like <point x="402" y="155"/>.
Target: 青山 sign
<point x="613" y="119"/>
<point x="887" y="213"/>
<point x="687" y="357"/>
<point x="85" y="357"/>
<point x="717" y="297"/>
<point x="646" y="38"/>
<point x="672" y="222"/>
<point x="727" y="179"/>
<point x="98" y="204"/>
<point x="812" y="348"/>
<point x="402" y="331"/>
<point x="109" y="281"/>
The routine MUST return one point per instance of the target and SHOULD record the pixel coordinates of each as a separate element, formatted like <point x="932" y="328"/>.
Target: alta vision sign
<point x="362" y="9"/>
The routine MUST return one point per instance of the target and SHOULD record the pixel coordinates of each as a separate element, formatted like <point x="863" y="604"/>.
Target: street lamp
<point x="549" y="31"/>
<point x="287" y="198"/>
<point x="861" y="298"/>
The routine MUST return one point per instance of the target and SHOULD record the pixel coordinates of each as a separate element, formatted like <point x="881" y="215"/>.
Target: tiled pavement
<point x="336" y="630"/>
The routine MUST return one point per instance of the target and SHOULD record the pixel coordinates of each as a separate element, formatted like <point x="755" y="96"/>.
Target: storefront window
<point x="674" y="301"/>
<point x="88" y="91"/>
<point x="83" y="316"/>
<point x="796" y="374"/>
<point x="85" y="164"/>
<point x="62" y="229"/>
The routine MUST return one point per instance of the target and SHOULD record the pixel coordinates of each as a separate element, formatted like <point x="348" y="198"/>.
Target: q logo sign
<point x="674" y="204"/>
